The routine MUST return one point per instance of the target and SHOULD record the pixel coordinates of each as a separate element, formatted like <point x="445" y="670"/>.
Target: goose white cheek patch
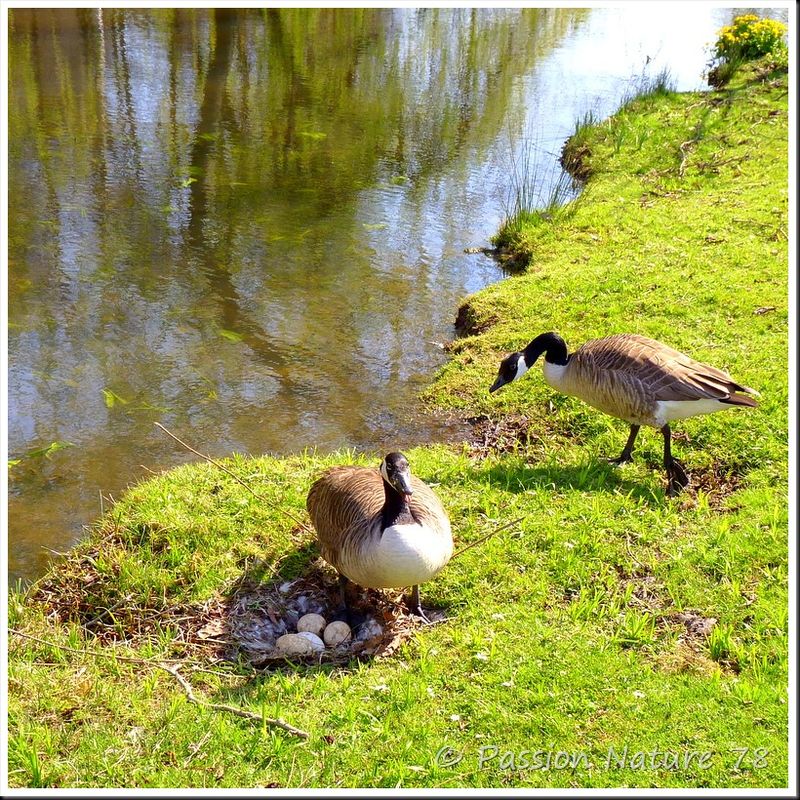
<point x="522" y="367"/>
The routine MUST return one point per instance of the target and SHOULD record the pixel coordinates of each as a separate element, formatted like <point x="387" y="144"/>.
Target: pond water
<point x="250" y="225"/>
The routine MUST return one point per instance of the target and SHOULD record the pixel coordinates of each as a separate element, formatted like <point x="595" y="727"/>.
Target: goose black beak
<point x="403" y="484"/>
<point x="497" y="384"/>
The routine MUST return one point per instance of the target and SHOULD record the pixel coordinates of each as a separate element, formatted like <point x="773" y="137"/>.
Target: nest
<point x="241" y="626"/>
<point x="246" y="626"/>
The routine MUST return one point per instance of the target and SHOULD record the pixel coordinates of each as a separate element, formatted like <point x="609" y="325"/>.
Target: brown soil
<point x="504" y="435"/>
<point x="717" y="482"/>
<point x="467" y="322"/>
<point x="575" y="158"/>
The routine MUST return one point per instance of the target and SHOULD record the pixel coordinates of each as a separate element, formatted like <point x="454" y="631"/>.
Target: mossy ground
<point x="585" y="630"/>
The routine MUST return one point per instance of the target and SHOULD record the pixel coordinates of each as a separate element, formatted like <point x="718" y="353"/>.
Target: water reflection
<point x="249" y="225"/>
<point x="246" y="224"/>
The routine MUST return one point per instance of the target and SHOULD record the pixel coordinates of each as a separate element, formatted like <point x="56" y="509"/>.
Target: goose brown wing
<point x="661" y="372"/>
<point x="342" y="500"/>
<point x="427" y="508"/>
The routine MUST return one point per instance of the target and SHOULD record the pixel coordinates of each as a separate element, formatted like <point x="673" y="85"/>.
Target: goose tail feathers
<point x="739" y="400"/>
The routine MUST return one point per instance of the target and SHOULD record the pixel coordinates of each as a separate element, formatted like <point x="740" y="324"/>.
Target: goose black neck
<point x="553" y="347"/>
<point x="396" y="510"/>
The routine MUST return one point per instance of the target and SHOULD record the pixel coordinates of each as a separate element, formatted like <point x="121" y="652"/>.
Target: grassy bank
<point x="611" y="624"/>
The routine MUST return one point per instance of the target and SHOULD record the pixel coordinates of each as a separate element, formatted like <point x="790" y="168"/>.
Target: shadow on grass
<point x="597" y="476"/>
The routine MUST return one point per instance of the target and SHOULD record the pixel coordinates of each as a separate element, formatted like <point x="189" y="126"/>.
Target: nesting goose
<point x="380" y="528"/>
<point x="636" y="379"/>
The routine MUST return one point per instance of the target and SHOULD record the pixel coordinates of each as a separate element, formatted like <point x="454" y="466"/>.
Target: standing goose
<point x="380" y="528"/>
<point x="633" y="378"/>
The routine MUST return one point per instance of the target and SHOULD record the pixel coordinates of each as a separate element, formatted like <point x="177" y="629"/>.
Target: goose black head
<point x="396" y="472"/>
<point x="517" y="364"/>
<point x="511" y="368"/>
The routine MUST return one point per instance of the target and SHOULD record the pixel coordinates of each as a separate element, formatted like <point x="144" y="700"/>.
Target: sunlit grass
<point x="565" y="633"/>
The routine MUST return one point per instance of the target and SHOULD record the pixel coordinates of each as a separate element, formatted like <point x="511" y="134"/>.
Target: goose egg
<point x="336" y="633"/>
<point x="313" y="623"/>
<point x="296" y="644"/>
<point x="316" y="642"/>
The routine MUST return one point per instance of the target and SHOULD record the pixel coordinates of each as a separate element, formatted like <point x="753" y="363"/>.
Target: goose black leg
<point x="415" y="606"/>
<point x="625" y="456"/>
<point x="676" y="474"/>
<point x="343" y="611"/>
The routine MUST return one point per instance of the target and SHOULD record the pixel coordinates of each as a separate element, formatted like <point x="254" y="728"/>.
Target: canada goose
<point x="380" y="528"/>
<point x="636" y="379"/>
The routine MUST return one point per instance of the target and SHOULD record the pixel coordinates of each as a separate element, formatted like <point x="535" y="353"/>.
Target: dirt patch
<point x="720" y="75"/>
<point x="716" y="483"/>
<point x="468" y="323"/>
<point x="687" y="654"/>
<point x="647" y="594"/>
<point x="696" y="626"/>
<point x="685" y="657"/>
<point x="575" y="158"/>
<point x="504" y="435"/>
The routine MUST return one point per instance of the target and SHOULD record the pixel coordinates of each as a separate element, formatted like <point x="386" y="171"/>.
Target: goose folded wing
<point x="685" y="379"/>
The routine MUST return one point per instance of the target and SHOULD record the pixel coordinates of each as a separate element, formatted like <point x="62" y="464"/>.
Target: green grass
<point x="564" y="634"/>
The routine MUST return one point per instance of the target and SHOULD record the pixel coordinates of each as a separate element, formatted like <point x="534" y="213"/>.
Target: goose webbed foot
<point x="677" y="479"/>
<point x="627" y="454"/>
<point x="419" y="613"/>
<point x="415" y="607"/>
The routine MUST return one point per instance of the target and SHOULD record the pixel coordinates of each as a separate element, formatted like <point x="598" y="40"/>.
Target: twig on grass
<point x="185" y="685"/>
<point x="684" y="155"/>
<point x="631" y="555"/>
<point x="488" y="536"/>
<point x="236" y="478"/>
<point x="239" y="712"/>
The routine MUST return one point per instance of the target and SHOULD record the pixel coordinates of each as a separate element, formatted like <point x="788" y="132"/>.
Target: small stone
<point x="313" y="623"/>
<point x="336" y="633"/>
